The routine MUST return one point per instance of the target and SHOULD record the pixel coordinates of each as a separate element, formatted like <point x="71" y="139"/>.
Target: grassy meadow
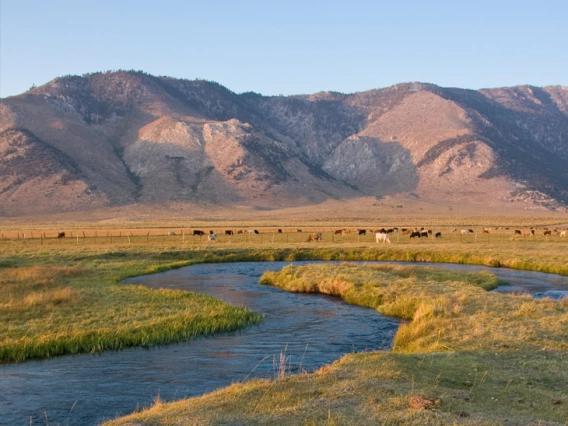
<point x="478" y="357"/>
<point x="464" y="356"/>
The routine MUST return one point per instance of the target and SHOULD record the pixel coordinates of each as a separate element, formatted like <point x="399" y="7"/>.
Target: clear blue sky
<point x="288" y="47"/>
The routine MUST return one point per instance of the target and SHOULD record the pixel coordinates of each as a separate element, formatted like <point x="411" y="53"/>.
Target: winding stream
<point x="309" y="330"/>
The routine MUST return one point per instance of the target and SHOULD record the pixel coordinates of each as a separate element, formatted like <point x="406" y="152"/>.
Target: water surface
<point x="309" y="330"/>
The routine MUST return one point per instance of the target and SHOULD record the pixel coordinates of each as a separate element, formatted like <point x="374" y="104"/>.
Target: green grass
<point x="62" y="297"/>
<point x="79" y="307"/>
<point x="68" y="305"/>
<point x="482" y="358"/>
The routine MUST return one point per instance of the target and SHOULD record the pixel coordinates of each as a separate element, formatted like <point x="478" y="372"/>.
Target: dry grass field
<point x="60" y="296"/>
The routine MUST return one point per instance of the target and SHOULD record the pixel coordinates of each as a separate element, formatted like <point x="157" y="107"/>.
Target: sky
<point x="288" y="47"/>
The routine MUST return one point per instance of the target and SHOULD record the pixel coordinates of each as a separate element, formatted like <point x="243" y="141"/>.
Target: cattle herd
<point x="381" y="235"/>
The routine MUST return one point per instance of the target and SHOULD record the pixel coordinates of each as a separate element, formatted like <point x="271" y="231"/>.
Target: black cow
<point x="197" y="232"/>
<point x="361" y="232"/>
<point x="61" y="235"/>
<point x="438" y="235"/>
<point x="415" y="234"/>
<point x="229" y="232"/>
<point x="424" y="234"/>
<point x="280" y="231"/>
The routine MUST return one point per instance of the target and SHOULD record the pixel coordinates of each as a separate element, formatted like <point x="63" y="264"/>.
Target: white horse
<point x="382" y="238"/>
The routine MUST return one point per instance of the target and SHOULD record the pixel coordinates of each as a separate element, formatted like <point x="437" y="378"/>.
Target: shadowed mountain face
<point x="110" y="139"/>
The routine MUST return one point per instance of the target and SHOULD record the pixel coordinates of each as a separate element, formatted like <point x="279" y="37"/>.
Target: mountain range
<point x="123" y="138"/>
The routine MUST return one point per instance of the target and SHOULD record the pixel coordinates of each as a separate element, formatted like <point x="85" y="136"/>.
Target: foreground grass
<point x="60" y="306"/>
<point x="478" y="357"/>
<point x="60" y="298"/>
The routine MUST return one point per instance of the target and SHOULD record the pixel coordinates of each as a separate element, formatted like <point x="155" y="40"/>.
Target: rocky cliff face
<point x="109" y="139"/>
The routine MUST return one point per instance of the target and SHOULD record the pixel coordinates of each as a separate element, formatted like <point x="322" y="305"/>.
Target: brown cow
<point x="345" y="232"/>
<point x="315" y="236"/>
<point x="518" y="232"/>
<point x="61" y="235"/>
<point x="548" y="232"/>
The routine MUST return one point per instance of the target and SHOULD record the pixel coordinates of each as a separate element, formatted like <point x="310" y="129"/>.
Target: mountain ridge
<point x="130" y="137"/>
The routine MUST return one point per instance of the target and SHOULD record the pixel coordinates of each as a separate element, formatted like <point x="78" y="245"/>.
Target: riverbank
<point x="465" y="356"/>
<point x="62" y="298"/>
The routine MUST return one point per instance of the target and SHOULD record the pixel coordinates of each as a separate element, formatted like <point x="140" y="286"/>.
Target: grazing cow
<point x="211" y="237"/>
<point x="395" y="229"/>
<point x="406" y="231"/>
<point x="471" y="231"/>
<point x="438" y="235"/>
<point x="414" y="234"/>
<point x="339" y="231"/>
<point x="485" y="231"/>
<point x="382" y="231"/>
<point x="61" y="235"/>
<point x="424" y="234"/>
<point x="529" y="233"/>
<point x="198" y="232"/>
<point x="562" y="234"/>
<point x="240" y="231"/>
<point x="549" y="232"/>
<point x="361" y="232"/>
<point x="466" y="231"/>
<point x="390" y="231"/>
<point x="280" y="231"/>
<point x="430" y="231"/>
<point x="453" y="230"/>
<point x="298" y="230"/>
<point x="315" y="236"/>
<point x="382" y="238"/>
<point x="228" y="232"/>
<point x="345" y="232"/>
<point x="518" y="232"/>
<point x="172" y="234"/>
<point x="554" y="230"/>
<point x="253" y="231"/>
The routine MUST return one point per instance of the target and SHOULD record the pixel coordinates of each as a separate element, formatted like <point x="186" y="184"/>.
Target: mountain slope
<point x="118" y="138"/>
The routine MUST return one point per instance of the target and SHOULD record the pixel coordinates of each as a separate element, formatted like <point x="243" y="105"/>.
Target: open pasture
<point x="255" y="235"/>
<point x="60" y="296"/>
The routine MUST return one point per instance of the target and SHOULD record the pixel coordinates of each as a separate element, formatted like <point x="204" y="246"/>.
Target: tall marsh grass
<point x="446" y="310"/>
